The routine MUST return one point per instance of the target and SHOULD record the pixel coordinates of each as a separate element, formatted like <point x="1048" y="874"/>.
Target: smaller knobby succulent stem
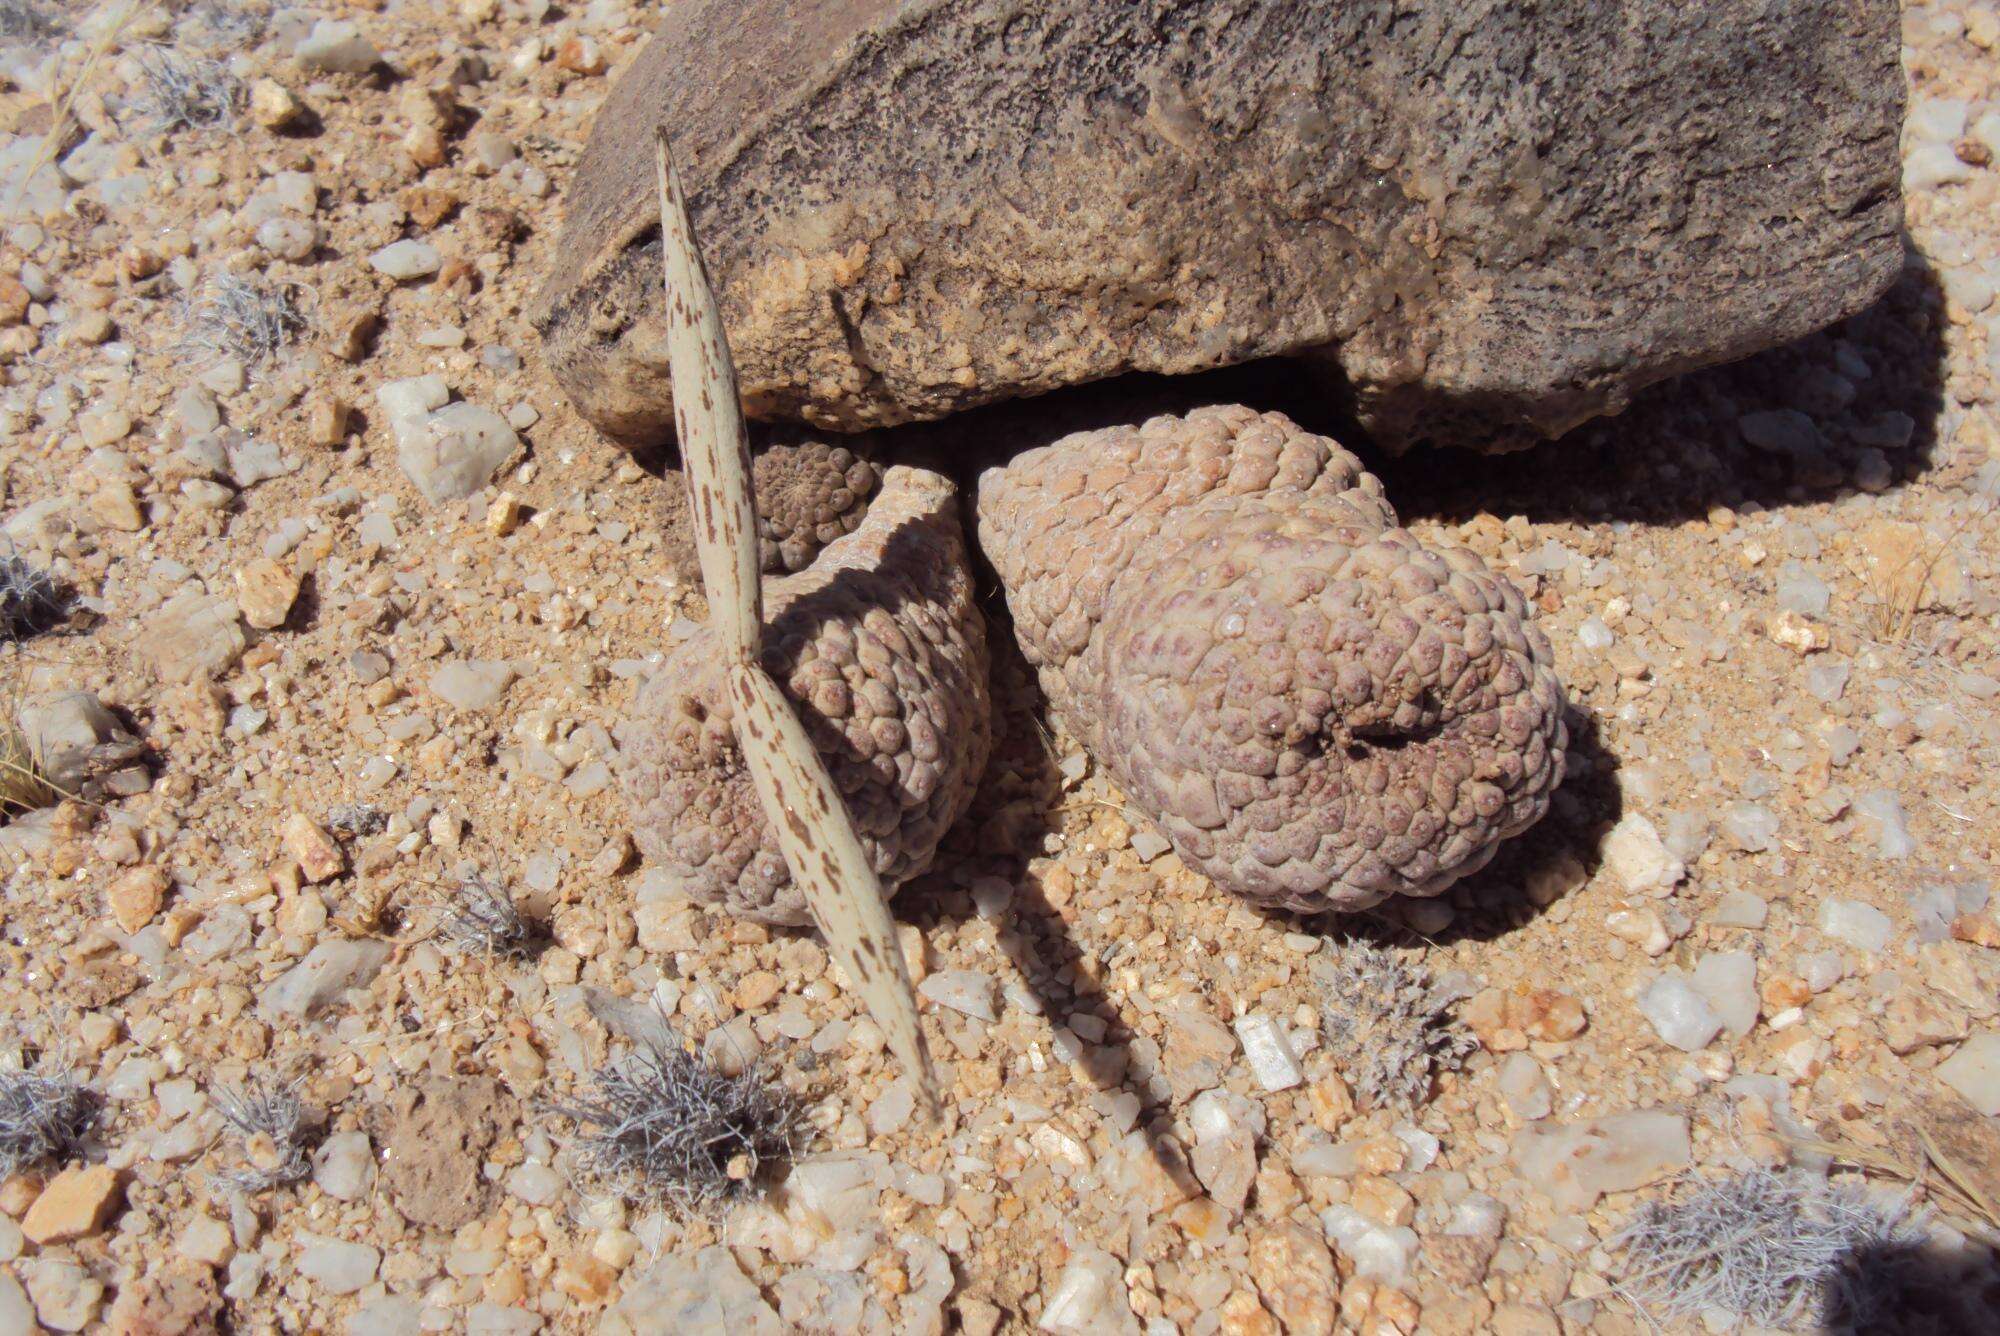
<point x="815" y="830"/>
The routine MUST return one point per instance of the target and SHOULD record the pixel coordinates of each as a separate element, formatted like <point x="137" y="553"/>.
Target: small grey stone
<point x="1269" y="1052"/>
<point x="1679" y="1013"/>
<point x="1782" y="431"/>
<point x="1089" y="1298"/>
<point x="288" y="238"/>
<point x="17" y="1315"/>
<point x="407" y="259"/>
<point x="252" y="462"/>
<point x="67" y="731"/>
<point x="224" y="930"/>
<point x="1226" y="1129"/>
<point x="413" y="398"/>
<point x="456" y="451"/>
<point x="1936" y="120"/>
<point x="966" y="991"/>
<point x="492" y="151"/>
<point x="499" y="1320"/>
<point x="195" y="411"/>
<point x="336" y="46"/>
<point x="344" y="1166"/>
<point x="1863" y="927"/>
<point x="1636" y="857"/>
<point x="1687" y="835"/>
<point x="1575" y="1164"/>
<point x="1974" y="1072"/>
<point x="535" y="1184"/>
<point x="1827" y="678"/>
<point x="472" y="684"/>
<point x="329" y="969"/>
<point x="1883" y="809"/>
<point x="1728" y="981"/>
<point x="1750" y="827"/>
<point x="194" y="637"/>
<point x="1979" y="686"/>
<point x="1928" y="166"/>
<point x="1525" y="1088"/>
<point x="379" y="528"/>
<point x="225" y="377"/>
<point x="66" y="1296"/>
<point x="338" y="1268"/>
<point x="702" y="1291"/>
<point x="1886" y="431"/>
<point x="386" y="1317"/>
<point x="1801" y="591"/>
<point x="368" y="666"/>
<point x="1740" y="909"/>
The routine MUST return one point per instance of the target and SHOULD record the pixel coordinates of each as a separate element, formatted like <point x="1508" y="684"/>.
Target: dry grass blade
<point x="59" y="126"/>
<point x="1901" y="590"/>
<point x="815" y="830"/>
<point x="1959" y="1178"/>
<point x="709" y="419"/>
<point x="24" y="781"/>
<point x="1967" y="1209"/>
<point x="23" y="787"/>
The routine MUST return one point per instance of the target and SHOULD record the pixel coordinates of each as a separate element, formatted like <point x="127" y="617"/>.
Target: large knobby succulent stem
<point x="815" y="831"/>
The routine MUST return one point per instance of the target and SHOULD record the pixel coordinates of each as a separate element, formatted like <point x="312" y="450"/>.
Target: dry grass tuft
<point x="1952" y="1189"/>
<point x="241" y="318"/>
<point x="665" y="1126"/>
<point x="1769" y="1249"/>
<point x="31" y="598"/>
<point x="222" y="25"/>
<point x="28" y="21"/>
<point x="276" y="1131"/>
<point x="188" y="92"/>
<point x="42" y="1118"/>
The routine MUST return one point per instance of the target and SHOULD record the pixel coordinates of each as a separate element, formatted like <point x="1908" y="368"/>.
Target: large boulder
<point x="1492" y="220"/>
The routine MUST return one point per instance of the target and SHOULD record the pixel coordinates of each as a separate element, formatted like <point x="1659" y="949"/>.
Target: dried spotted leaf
<point x="825" y="855"/>
<point x="815" y="830"/>
<point x="714" y="448"/>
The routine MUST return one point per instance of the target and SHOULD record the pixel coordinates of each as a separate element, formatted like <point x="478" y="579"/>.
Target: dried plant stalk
<point x="815" y="830"/>
<point x="709" y="418"/>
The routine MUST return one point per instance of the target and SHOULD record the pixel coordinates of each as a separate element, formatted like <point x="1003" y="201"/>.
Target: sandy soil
<point x="1768" y="586"/>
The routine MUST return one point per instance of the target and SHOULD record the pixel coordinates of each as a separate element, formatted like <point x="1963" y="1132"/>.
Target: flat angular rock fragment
<point x="913" y="208"/>
<point x="882" y="652"/>
<point x="1318" y="710"/>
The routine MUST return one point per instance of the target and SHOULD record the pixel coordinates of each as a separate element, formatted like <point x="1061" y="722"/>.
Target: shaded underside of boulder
<point x="1488" y="221"/>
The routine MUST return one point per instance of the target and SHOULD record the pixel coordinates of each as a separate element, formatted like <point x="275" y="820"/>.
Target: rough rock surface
<point x="1319" y="711"/>
<point x="883" y="652"/>
<point x="1059" y="191"/>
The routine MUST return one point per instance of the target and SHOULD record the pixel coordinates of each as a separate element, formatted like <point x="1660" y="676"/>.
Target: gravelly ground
<point x="1759" y="913"/>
